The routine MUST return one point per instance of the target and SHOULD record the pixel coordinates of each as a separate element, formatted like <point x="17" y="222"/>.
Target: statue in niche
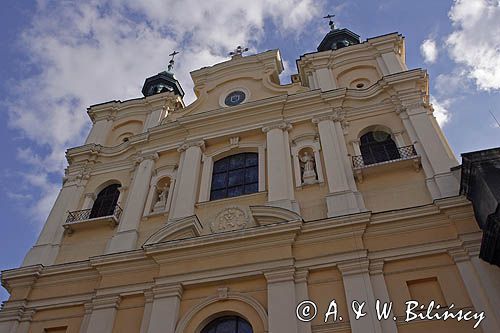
<point x="308" y="168"/>
<point x="161" y="201"/>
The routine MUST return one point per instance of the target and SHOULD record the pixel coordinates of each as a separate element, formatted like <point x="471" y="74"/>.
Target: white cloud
<point x="441" y="111"/>
<point x="475" y="41"/>
<point x="83" y="53"/>
<point x="429" y="50"/>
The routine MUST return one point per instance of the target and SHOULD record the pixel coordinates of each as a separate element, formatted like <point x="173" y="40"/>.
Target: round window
<point x="235" y="98"/>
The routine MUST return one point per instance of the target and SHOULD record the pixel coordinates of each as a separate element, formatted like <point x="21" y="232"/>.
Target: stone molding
<point x="106" y="302"/>
<point x="146" y="157"/>
<point x="376" y="267"/>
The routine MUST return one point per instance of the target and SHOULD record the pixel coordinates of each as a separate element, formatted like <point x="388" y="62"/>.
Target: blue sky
<point x="57" y="58"/>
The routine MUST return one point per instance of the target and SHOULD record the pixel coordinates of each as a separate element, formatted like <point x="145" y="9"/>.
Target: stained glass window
<point x="235" y="175"/>
<point x="228" y="324"/>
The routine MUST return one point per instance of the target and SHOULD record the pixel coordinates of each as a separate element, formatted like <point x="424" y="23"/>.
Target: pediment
<point x="188" y="227"/>
<point x="264" y="215"/>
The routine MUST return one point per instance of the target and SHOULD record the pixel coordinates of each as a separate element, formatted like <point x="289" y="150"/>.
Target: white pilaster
<point x="47" y="246"/>
<point x="99" y="132"/>
<point x="206" y="176"/>
<point x="325" y="79"/>
<point x="381" y="293"/>
<point x="86" y="317"/>
<point x="88" y="200"/>
<point x="281" y="301"/>
<point x="489" y="275"/>
<point x="358" y="287"/>
<point x="343" y="197"/>
<point x="476" y="291"/>
<point x="186" y="189"/>
<point x="102" y="318"/>
<point x="439" y="153"/>
<point x="279" y="166"/>
<point x="398" y="137"/>
<point x="126" y="237"/>
<point x="302" y="294"/>
<point x="165" y="309"/>
<point x="148" y="308"/>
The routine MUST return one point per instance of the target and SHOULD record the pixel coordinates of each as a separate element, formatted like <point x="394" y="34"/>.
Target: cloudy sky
<point x="59" y="57"/>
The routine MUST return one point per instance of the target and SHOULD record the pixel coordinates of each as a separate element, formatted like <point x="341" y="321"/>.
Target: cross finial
<point x="238" y="51"/>
<point x="171" y="62"/>
<point x="330" y="22"/>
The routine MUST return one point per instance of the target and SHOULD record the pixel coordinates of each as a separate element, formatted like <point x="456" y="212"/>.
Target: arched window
<point x="235" y="175"/>
<point x="228" y="324"/>
<point x="378" y="146"/>
<point x="105" y="203"/>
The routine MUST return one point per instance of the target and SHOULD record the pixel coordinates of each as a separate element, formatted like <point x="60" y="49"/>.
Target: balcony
<point x="375" y="160"/>
<point x="81" y="219"/>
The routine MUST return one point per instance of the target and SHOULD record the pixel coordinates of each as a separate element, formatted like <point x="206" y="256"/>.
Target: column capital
<point x="106" y="302"/>
<point x="146" y="157"/>
<point x="376" y="267"/>
<point x="338" y="114"/>
<point x="165" y="291"/>
<point x="148" y="296"/>
<point x="459" y="255"/>
<point x="282" y="275"/>
<point x="191" y="143"/>
<point x="353" y="267"/>
<point x="301" y="275"/>
<point x="282" y="125"/>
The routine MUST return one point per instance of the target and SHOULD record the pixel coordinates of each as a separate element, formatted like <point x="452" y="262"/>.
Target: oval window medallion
<point x="234" y="98"/>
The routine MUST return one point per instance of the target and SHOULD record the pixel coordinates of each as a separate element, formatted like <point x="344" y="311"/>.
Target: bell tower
<point x="163" y="81"/>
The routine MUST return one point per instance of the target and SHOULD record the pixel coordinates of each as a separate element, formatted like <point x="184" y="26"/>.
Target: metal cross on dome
<point x="171" y="62"/>
<point x="238" y="51"/>
<point x="330" y="22"/>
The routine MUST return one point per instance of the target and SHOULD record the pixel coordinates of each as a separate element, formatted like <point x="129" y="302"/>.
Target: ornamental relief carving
<point x="230" y="219"/>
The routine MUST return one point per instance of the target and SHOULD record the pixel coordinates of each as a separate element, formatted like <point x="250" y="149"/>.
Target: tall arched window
<point x="378" y="147"/>
<point x="228" y="324"/>
<point x="235" y="175"/>
<point x="105" y="203"/>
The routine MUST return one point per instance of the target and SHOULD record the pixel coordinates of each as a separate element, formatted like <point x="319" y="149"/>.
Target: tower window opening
<point x="106" y="201"/>
<point x="377" y="147"/>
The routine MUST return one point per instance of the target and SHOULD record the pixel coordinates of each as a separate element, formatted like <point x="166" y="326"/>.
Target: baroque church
<point x="262" y="207"/>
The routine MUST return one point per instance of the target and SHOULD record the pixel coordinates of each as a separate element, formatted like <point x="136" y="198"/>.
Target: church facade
<point x="262" y="207"/>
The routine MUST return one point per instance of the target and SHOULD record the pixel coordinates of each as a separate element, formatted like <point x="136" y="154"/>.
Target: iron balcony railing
<point x="85" y="214"/>
<point x="383" y="156"/>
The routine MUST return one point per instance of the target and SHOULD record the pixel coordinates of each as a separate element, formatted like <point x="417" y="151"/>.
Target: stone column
<point x="380" y="293"/>
<point x="476" y="291"/>
<point x="47" y="246"/>
<point x="281" y="301"/>
<point x="102" y="318"/>
<point x="100" y="130"/>
<point x="358" y="287"/>
<point x="279" y="167"/>
<point x="15" y="318"/>
<point x="439" y="154"/>
<point x="86" y="317"/>
<point x="165" y="309"/>
<point x="302" y="294"/>
<point x="343" y="197"/>
<point x="126" y="237"/>
<point x="186" y="187"/>
<point x="206" y="176"/>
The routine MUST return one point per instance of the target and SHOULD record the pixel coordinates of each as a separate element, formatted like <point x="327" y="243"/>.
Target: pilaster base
<point x="122" y="241"/>
<point x="286" y="204"/>
<point x="342" y="203"/>
<point x="41" y="254"/>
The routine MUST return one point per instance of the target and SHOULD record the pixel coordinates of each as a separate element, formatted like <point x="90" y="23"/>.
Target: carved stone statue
<point x="162" y="195"/>
<point x="308" y="169"/>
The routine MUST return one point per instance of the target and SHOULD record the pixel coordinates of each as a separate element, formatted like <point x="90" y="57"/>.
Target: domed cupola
<point x="163" y="82"/>
<point x="337" y="38"/>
